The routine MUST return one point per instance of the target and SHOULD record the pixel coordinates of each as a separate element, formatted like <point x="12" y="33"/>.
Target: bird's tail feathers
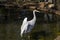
<point x="21" y="33"/>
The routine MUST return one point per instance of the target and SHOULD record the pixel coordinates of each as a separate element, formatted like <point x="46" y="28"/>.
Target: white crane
<point x="28" y="25"/>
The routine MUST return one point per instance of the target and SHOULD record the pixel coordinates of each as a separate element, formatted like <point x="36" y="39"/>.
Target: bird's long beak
<point x="37" y="11"/>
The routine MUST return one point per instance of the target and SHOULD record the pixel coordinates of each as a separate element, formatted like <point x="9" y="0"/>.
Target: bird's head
<point x="36" y="11"/>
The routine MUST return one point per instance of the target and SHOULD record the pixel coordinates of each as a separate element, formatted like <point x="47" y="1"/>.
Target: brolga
<point x="27" y="26"/>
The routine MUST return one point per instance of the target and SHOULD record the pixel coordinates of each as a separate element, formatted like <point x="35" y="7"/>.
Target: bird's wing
<point x="24" y="29"/>
<point x="29" y="28"/>
<point x="24" y="22"/>
<point x="24" y="26"/>
<point x="32" y="22"/>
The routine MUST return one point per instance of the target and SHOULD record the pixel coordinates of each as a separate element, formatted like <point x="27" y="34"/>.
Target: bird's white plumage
<point x="27" y="24"/>
<point x="24" y="22"/>
<point x="32" y="22"/>
<point x="24" y="26"/>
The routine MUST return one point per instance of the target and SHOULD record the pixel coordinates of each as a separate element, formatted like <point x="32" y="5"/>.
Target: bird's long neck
<point x="34" y="16"/>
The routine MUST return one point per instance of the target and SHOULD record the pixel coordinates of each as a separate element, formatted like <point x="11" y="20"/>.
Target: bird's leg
<point x="28" y="37"/>
<point x="23" y="38"/>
